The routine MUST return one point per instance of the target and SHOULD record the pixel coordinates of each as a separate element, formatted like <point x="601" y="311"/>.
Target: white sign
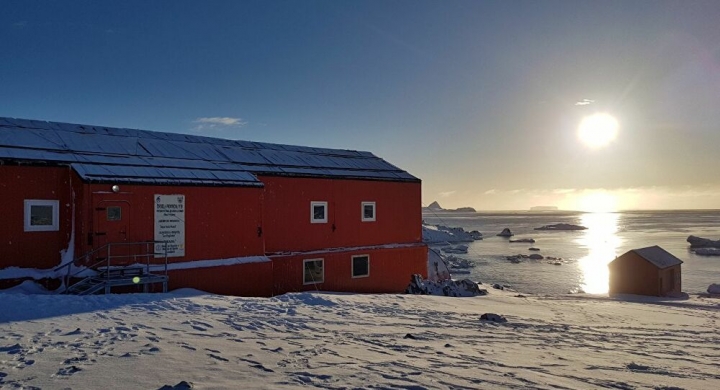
<point x="170" y="225"/>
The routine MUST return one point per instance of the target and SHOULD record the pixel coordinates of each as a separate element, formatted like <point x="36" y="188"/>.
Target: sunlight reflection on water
<point x="602" y="241"/>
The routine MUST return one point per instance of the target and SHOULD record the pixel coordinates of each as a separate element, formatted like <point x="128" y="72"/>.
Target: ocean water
<point x="585" y="253"/>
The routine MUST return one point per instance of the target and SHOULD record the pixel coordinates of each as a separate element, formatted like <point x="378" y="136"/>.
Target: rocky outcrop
<point x="526" y="240"/>
<point x="505" y="233"/>
<point x="435" y="206"/>
<point x="699" y="242"/>
<point x="492" y="317"/>
<point x="707" y="251"/>
<point x="476" y="235"/>
<point x="561" y="226"/>
<point x="448" y="288"/>
<point x="455" y="249"/>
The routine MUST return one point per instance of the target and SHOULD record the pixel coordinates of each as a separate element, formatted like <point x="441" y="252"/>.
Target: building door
<point x="112" y="226"/>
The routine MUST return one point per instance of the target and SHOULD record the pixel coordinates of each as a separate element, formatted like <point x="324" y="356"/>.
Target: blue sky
<point x="477" y="98"/>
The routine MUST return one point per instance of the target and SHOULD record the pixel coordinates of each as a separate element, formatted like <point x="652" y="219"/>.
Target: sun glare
<point x="598" y="202"/>
<point x="598" y="130"/>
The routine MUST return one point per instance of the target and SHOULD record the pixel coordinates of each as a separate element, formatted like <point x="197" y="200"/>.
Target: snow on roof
<point x="658" y="256"/>
<point x="104" y="154"/>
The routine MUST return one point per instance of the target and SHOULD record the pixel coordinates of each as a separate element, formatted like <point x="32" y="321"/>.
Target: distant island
<point x="544" y="208"/>
<point x="435" y="207"/>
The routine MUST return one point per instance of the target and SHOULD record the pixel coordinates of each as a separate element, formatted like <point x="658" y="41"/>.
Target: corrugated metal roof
<point x="115" y="154"/>
<point x="658" y="256"/>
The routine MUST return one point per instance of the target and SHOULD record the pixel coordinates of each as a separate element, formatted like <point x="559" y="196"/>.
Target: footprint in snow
<point x="76" y="359"/>
<point x="73" y="333"/>
<point x="67" y="371"/>
<point x="12" y="349"/>
<point x="216" y="357"/>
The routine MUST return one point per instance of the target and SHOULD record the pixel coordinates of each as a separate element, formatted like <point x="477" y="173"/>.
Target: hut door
<point x="112" y="225"/>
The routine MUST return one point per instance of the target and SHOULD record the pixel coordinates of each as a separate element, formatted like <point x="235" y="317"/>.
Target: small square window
<point x="41" y="215"/>
<point x="318" y="212"/>
<point x="114" y="213"/>
<point x="313" y="271"/>
<point x="368" y="211"/>
<point x="361" y="266"/>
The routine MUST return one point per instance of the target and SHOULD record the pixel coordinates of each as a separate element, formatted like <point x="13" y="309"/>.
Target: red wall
<point x="220" y="222"/>
<point x="33" y="249"/>
<point x="286" y="212"/>
<point x="223" y="222"/>
<point x="390" y="271"/>
<point x="251" y="279"/>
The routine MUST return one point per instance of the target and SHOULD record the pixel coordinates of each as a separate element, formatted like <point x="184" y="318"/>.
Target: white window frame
<point x="323" y="271"/>
<point x="55" y="204"/>
<point x="352" y="267"/>
<point x="362" y="211"/>
<point x="312" y="212"/>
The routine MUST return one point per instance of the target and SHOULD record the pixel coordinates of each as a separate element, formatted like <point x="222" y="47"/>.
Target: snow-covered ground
<point x="332" y="341"/>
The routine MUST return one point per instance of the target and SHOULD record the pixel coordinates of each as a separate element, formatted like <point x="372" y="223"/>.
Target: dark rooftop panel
<point x="63" y="143"/>
<point x="138" y="174"/>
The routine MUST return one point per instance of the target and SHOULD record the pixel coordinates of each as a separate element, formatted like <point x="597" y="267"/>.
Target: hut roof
<point x="658" y="256"/>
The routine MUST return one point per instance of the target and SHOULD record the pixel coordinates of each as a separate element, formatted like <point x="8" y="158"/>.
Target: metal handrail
<point x="108" y="257"/>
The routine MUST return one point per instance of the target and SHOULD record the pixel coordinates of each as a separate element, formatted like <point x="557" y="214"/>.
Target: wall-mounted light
<point x="116" y="188"/>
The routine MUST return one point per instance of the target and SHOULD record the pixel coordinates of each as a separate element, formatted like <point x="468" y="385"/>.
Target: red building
<point x="646" y="271"/>
<point x="229" y="217"/>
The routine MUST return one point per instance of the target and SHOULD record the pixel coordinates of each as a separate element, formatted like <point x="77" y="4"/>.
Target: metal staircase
<point x="115" y="265"/>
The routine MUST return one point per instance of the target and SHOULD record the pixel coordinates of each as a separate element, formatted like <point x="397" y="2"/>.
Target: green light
<point x="136" y="279"/>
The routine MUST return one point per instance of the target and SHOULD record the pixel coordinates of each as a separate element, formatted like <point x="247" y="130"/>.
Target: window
<point x="360" y="266"/>
<point x="114" y="213"/>
<point x="41" y="215"/>
<point x="313" y="271"/>
<point x="368" y="211"/>
<point x="318" y="212"/>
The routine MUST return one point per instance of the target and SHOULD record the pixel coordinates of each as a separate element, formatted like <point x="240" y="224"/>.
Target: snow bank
<point x="707" y="251"/>
<point x="27" y="287"/>
<point x="436" y="234"/>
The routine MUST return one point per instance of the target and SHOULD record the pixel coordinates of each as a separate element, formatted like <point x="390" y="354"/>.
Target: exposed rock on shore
<point x="561" y="226"/>
<point x="704" y="246"/>
<point x="505" y="233"/>
<point x="448" y="288"/>
<point x="525" y="240"/>
<point x="455" y="249"/>
<point x="699" y="242"/>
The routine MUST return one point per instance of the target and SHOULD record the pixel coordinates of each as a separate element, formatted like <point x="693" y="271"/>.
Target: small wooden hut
<point x="646" y="271"/>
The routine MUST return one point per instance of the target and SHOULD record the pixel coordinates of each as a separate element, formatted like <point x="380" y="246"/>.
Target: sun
<point x="598" y="130"/>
